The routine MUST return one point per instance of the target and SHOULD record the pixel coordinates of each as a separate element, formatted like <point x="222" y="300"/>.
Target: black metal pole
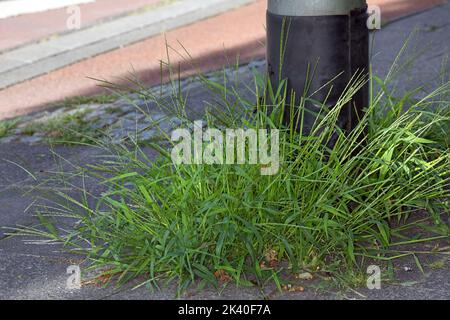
<point x="330" y="36"/>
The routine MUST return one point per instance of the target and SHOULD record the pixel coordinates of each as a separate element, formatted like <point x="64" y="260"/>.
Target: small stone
<point x="90" y="116"/>
<point x="32" y="139"/>
<point x="256" y="64"/>
<point x="147" y="135"/>
<point x="124" y="105"/>
<point x="116" y="132"/>
<point x="165" y="126"/>
<point x="291" y="288"/>
<point x="134" y="115"/>
<point x="154" y="117"/>
<point x="103" y="122"/>
<point x="127" y="124"/>
<point x="407" y="269"/>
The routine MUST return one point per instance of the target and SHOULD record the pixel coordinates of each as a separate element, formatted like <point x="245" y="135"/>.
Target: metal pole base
<point x="332" y="44"/>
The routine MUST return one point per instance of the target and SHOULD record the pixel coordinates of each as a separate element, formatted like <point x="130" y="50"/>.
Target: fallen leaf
<point x="297" y="289"/>
<point x="98" y="281"/>
<point x="273" y="263"/>
<point x="291" y="288"/>
<point x="286" y="287"/>
<point x="222" y="276"/>
<point x="101" y="279"/>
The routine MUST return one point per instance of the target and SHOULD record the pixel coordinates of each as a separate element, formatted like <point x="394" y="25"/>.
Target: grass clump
<point x="63" y="129"/>
<point x="6" y="126"/>
<point x="327" y="208"/>
<point x="440" y="264"/>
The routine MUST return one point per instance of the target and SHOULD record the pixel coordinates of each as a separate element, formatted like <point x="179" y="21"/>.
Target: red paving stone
<point x="16" y="31"/>
<point x="211" y="43"/>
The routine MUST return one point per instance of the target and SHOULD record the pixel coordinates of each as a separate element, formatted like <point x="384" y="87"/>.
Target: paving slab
<point x="428" y="48"/>
<point x="22" y="166"/>
<point x="37" y="277"/>
<point x="19" y="160"/>
<point x="13" y="211"/>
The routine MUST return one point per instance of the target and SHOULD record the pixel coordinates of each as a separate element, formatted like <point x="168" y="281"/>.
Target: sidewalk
<point x="39" y="271"/>
<point x="211" y="43"/>
<point x="29" y="28"/>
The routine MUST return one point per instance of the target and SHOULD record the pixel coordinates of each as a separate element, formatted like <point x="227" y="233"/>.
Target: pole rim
<point x="314" y="7"/>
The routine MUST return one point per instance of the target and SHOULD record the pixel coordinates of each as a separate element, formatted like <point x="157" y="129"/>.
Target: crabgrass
<point x="440" y="264"/>
<point x="63" y="129"/>
<point x="6" y="126"/>
<point x="327" y="210"/>
<point x="66" y="128"/>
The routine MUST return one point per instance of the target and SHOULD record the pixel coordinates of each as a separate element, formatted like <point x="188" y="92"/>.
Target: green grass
<point x="6" y="126"/>
<point x="327" y="209"/>
<point x="63" y="129"/>
<point x="66" y="128"/>
<point x="440" y="264"/>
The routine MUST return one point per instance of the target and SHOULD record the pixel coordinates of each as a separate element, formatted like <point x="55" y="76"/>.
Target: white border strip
<point x="13" y="8"/>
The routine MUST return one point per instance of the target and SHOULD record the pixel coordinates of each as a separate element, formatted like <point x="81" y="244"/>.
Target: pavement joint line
<point x="98" y="39"/>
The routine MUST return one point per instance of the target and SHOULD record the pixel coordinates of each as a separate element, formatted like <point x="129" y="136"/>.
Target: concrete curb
<point x="37" y="59"/>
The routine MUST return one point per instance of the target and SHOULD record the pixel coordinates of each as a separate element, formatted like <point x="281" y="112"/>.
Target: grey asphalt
<point x="38" y="271"/>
